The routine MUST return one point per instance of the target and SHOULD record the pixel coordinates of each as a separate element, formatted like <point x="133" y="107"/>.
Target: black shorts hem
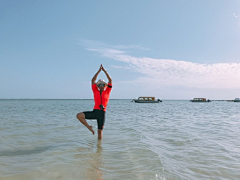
<point x="97" y="114"/>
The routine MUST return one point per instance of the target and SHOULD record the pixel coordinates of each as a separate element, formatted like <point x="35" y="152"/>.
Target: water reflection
<point x="98" y="160"/>
<point x="90" y="161"/>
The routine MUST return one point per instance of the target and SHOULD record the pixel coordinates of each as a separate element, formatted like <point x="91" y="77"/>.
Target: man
<point x="101" y="92"/>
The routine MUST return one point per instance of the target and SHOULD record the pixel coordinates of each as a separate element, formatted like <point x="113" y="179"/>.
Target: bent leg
<point x="81" y="118"/>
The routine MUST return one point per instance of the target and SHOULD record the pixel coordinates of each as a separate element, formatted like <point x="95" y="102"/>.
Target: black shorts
<point x="96" y="114"/>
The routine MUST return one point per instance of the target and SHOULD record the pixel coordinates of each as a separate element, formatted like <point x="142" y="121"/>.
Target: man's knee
<point x="81" y="115"/>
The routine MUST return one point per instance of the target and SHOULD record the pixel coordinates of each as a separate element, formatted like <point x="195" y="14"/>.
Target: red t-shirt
<point x="103" y="98"/>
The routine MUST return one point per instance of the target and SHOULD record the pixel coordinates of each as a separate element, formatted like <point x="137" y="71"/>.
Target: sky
<point x="167" y="49"/>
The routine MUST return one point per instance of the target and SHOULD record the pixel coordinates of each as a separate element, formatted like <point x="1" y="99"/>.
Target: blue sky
<point x="168" y="49"/>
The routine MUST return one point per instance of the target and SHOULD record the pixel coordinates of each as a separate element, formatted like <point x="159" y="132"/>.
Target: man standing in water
<point x="101" y="92"/>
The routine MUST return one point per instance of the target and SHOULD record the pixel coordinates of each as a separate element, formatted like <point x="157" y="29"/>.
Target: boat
<point x="236" y="100"/>
<point x="146" y="100"/>
<point x="200" y="100"/>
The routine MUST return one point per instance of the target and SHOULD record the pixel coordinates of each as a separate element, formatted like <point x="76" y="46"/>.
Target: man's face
<point x="101" y="86"/>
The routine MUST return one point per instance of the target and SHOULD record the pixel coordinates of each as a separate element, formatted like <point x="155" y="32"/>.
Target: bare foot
<point x="91" y="129"/>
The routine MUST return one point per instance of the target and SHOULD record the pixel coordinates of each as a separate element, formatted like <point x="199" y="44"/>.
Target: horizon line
<point x="109" y="99"/>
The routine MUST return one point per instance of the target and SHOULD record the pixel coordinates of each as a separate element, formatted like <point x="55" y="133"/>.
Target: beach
<point x="176" y="139"/>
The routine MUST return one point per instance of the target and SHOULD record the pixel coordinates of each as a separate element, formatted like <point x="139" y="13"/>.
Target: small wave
<point x="21" y="152"/>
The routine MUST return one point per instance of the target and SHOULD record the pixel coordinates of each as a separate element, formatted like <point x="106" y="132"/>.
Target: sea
<point x="42" y="139"/>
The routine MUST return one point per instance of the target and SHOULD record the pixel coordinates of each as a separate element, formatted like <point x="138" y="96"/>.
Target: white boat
<point x="200" y="100"/>
<point x="146" y="100"/>
<point x="236" y="100"/>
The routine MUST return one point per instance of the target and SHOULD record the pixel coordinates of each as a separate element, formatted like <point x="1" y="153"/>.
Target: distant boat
<point x="146" y="100"/>
<point x="236" y="100"/>
<point x="200" y="100"/>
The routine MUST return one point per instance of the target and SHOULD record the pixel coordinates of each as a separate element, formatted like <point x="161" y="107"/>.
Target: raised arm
<point x="109" y="78"/>
<point x="96" y="75"/>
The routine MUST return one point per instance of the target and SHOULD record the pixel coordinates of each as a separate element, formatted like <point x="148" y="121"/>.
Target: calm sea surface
<point x="42" y="139"/>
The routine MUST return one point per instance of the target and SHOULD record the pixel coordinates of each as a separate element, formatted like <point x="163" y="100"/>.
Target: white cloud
<point x="167" y="72"/>
<point x="238" y="17"/>
<point x="98" y="44"/>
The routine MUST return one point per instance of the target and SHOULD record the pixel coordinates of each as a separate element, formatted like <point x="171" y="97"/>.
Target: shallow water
<point x="42" y="139"/>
